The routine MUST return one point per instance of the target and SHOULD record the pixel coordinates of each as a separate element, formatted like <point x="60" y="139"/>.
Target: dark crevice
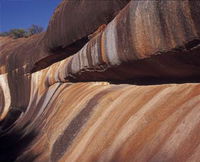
<point x="157" y="81"/>
<point x="12" y="116"/>
<point x="143" y="81"/>
<point x="14" y="144"/>
<point x="192" y="44"/>
<point x="59" y="53"/>
<point x="72" y="48"/>
<point x="146" y="81"/>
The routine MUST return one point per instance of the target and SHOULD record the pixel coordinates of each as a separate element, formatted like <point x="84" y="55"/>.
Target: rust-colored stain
<point x="114" y="80"/>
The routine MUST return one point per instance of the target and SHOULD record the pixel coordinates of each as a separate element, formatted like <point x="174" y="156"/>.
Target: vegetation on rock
<point x="20" y="33"/>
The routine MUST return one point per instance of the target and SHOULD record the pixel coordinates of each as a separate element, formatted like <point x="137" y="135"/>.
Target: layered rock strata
<point x="89" y="89"/>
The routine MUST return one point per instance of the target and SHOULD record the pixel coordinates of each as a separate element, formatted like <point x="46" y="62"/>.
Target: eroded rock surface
<point x="91" y="87"/>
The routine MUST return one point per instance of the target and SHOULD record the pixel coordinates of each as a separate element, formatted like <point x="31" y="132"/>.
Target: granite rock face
<point x="113" y="80"/>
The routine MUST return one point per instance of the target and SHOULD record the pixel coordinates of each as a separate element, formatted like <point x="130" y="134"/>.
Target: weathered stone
<point x="64" y="97"/>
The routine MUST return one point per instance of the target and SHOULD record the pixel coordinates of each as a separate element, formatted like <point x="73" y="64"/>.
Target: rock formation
<point x="127" y="91"/>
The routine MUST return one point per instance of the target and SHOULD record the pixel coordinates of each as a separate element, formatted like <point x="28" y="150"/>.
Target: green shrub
<point x="17" y="33"/>
<point x="20" y="33"/>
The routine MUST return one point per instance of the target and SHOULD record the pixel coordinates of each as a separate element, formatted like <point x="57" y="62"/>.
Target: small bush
<point x="20" y="33"/>
<point x="17" y="33"/>
<point x="35" y="29"/>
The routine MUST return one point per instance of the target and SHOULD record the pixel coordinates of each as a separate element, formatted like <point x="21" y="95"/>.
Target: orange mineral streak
<point x="131" y="93"/>
<point x="98" y="31"/>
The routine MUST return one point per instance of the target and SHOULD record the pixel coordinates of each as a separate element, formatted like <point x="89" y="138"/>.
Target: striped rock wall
<point x="103" y="98"/>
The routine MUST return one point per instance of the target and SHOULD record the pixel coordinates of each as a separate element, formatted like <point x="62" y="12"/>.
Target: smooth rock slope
<point x="113" y="80"/>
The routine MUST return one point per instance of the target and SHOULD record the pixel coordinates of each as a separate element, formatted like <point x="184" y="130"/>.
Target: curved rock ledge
<point x="58" y="100"/>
